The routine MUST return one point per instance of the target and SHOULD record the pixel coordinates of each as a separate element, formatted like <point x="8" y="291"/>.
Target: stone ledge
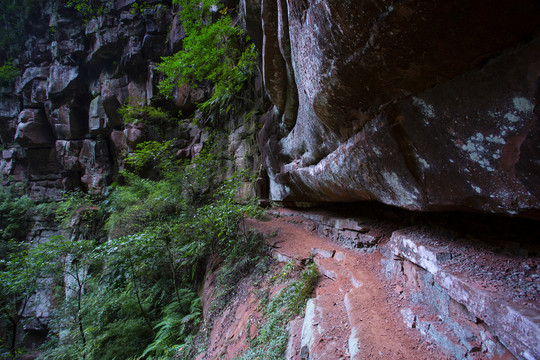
<point x="350" y="232"/>
<point x="517" y="327"/>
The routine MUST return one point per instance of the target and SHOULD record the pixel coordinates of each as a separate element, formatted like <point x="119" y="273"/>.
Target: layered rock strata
<point x="59" y="124"/>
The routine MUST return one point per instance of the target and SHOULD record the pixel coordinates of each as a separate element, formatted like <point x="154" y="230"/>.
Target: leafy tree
<point x="142" y="281"/>
<point x="8" y="73"/>
<point x="18" y="282"/>
<point x="23" y="272"/>
<point x="18" y="276"/>
<point x="213" y="51"/>
<point x="14" y="215"/>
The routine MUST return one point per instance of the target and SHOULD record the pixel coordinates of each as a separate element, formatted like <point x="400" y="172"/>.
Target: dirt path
<point x="355" y="312"/>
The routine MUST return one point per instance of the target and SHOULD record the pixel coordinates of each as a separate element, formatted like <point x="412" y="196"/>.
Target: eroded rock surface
<point x="418" y="105"/>
<point x="59" y="123"/>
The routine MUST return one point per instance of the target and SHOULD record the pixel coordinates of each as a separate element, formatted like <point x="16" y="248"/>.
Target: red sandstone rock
<point x="392" y="107"/>
<point x="33" y="130"/>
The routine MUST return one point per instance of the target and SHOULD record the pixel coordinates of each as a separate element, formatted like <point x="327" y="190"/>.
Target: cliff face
<point x="419" y="105"/>
<point x="59" y="124"/>
<point x="416" y="105"/>
<point x="63" y="110"/>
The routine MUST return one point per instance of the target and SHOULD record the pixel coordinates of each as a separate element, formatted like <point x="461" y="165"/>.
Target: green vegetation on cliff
<point x="8" y="73"/>
<point x="137" y="280"/>
<point x="140" y="281"/>
<point x="213" y="51"/>
<point x="126" y="272"/>
<point x="14" y="214"/>
<point x="17" y="278"/>
<point x="15" y="21"/>
<point x="272" y="338"/>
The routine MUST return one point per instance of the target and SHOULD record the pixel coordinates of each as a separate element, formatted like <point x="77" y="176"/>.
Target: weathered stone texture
<point x="33" y="130"/>
<point x="473" y="317"/>
<point x="419" y="105"/>
<point x="60" y="120"/>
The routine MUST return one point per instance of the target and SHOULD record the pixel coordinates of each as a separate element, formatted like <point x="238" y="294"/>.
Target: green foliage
<point x="8" y="73"/>
<point x="146" y="114"/>
<point x="271" y="342"/>
<point x="19" y="265"/>
<point x="160" y="154"/>
<point x="139" y="6"/>
<point x="142" y="203"/>
<point x="141" y="281"/>
<point x="176" y="327"/>
<point x="21" y="273"/>
<point x="74" y="205"/>
<point x="87" y="8"/>
<point x="248" y="256"/>
<point x="14" y="214"/>
<point x="217" y="52"/>
<point x="15" y="17"/>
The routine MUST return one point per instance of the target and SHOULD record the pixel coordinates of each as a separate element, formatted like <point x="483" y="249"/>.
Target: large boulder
<point x="103" y="115"/>
<point x="420" y="105"/>
<point x="33" y="130"/>
<point x="62" y="79"/>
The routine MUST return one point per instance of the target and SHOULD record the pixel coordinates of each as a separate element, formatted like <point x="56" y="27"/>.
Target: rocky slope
<point x="389" y="290"/>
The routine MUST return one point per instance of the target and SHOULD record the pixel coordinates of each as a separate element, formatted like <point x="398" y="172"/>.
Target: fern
<point x="175" y="328"/>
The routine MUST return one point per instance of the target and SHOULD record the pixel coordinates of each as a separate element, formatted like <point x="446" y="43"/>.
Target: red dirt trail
<point x="354" y="314"/>
<point x="351" y="297"/>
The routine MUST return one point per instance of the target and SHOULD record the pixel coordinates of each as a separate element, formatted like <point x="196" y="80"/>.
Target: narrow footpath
<point x="355" y="312"/>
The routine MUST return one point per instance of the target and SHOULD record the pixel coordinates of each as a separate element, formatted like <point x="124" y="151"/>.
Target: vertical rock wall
<point x="59" y="124"/>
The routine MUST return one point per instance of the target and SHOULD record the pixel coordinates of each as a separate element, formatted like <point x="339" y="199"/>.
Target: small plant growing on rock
<point x="145" y="114"/>
<point x="87" y="8"/>
<point x="271" y="342"/>
<point x="8" y="73"/>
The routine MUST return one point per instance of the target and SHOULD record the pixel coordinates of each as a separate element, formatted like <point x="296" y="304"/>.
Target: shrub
<point x="148" y="153"/>
<point x="217" y="52"/>
<point x="146" y="114"/>
<point x="87" y="8"/>
<point x="8" y="73"/>
<point x="271" y="342"/>
<point x="14" y="214"/>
